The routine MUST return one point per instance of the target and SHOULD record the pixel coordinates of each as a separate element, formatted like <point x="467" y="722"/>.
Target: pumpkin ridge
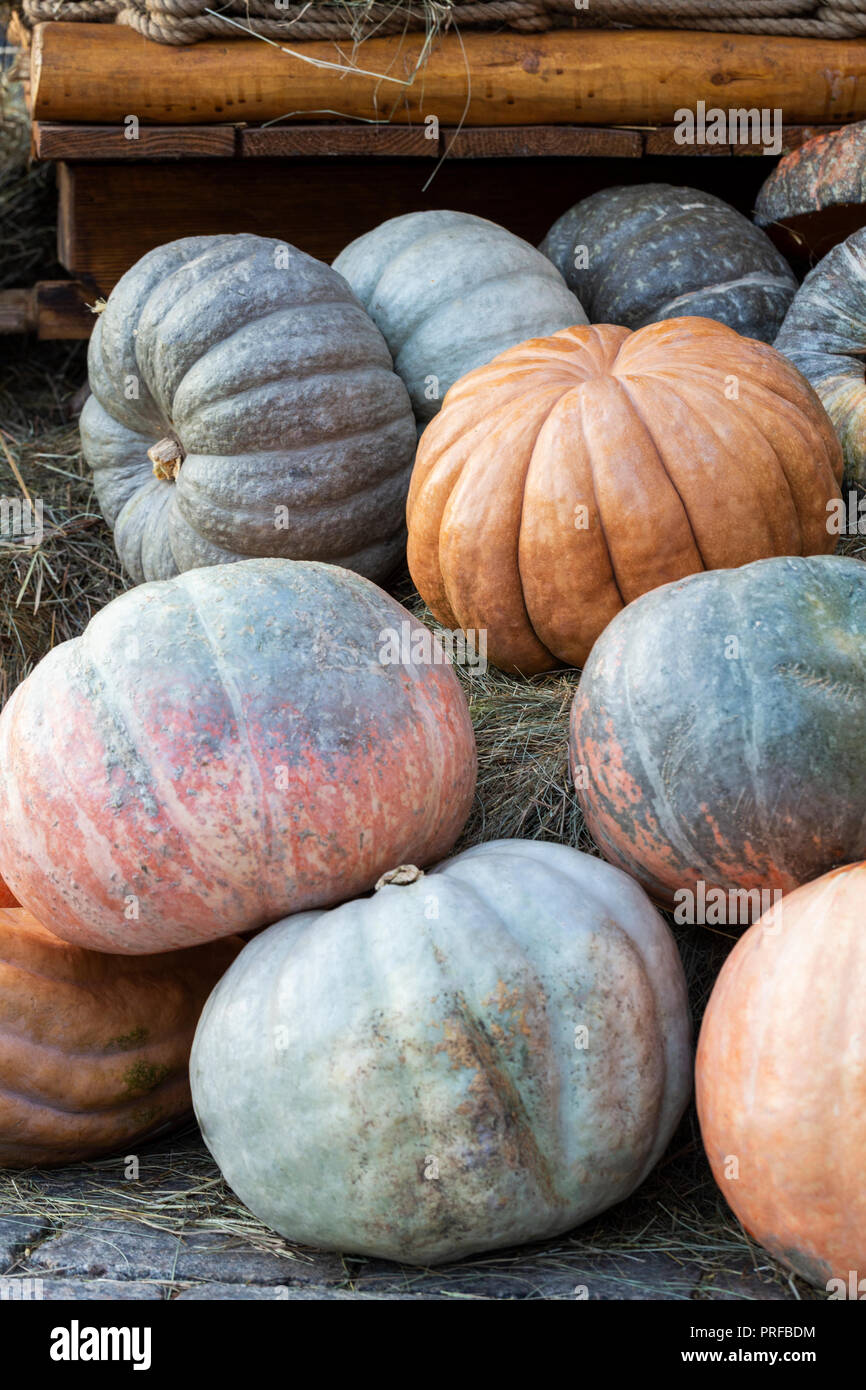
<point x="325" y="440"/>
<point x="622" y="382"/>
<point x="397" y="342"/>
<point x="44" y="1102"/>
<point x="120" y="721"/>
<point x="465" y="480"/>
<point x="581" y="401"/>
<point x="313" y="501"/>
<point x="346" y="527"/>
<point x="774" y="398"/>
<point x="265" y="839"/>
<point x="695" y="394"/>
<point x="102" y="1054"/>
<point x="753" y="277"/>
<point x="455" y="870"/>
<point x="326" y="367"/>
<point x="91" y="677"/>
<point x="675" y="832"/>
<point x="755" y="745"/>
<point x="493" y="1060"/>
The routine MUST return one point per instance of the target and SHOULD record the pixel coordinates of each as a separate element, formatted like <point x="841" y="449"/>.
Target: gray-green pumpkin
<point x="824" y="335"/>
<point x="244" y="404"/>
<point x="642" y="253"/>
<point x="488" y="1054"/>
<point x="450" y="291"/>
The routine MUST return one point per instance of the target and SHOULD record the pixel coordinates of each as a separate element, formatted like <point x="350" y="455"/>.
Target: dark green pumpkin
<point x="824" y="335"/>
<point x="635" y="255"/>
<point x="717" y="731"/>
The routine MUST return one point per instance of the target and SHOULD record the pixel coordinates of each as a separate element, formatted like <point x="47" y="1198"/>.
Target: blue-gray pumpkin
<point x="824" y="335"/>
<point x="488" y="1054"/>
<point x="244" y="405"/>
<point x="450" y="291"/>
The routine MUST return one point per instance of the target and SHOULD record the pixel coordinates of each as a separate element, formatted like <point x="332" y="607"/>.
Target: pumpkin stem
<point x="167" y="457"/>
<point x="404" y="873"/>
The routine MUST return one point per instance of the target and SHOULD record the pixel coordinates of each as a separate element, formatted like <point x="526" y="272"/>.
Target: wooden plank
<point x="556" y="141"/>
<point x="662" y="141"/>
<point x="100" y="74"/>
<point x="52" y="309"/>
<point x="111" y="214"/>
<point x="89" y="142"/>
<point x="63" y="309"/>
<point x="305" y="141"/>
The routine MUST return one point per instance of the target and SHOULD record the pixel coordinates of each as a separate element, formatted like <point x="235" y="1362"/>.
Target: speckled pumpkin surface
<point x="574" y="473"/>
<point x="781" y="1079"/>
<point x="222" y="748"/>
<point x="244" y="404"/>
<point x="816" y="195"/>
<point x="487" y="1055"/>
<point x="716" y="733"/>
<point x="830" y="168"/>
<point x="95" y="1048"/>
<point x="824" y="335"/>
<point x="449" y="291"/>
<point x="637" y="254"/>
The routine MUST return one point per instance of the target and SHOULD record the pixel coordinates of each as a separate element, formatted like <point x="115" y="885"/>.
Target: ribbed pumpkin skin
<point x="781" y="1078"/>
<point x="231" y="748"/>
<point x="281" y="391"/>
<point x="823" y="335"/>
<point x="449" y="291"/>
<point x="656" y="252"/>
<point x="437" y="1024"/>
<point x="574" y="473"/>
<point x="743" y="770"/>
<point x="95" y="1048"/>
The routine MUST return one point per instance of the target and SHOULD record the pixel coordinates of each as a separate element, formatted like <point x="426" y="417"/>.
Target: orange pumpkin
<point x="573" y="473"/>
<point x="781" y="1079"/>
<point x="95" y="1053"/>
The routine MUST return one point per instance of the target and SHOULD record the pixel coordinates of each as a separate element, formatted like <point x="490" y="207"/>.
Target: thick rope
<point x="186" y="21"/>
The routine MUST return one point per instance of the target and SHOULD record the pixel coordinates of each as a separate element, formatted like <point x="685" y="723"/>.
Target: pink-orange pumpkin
<point x="219" y="750"/>
<point x="781" y="1079"/>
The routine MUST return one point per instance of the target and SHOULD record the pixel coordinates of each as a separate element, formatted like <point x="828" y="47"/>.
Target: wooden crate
<point x="148" y="144"/>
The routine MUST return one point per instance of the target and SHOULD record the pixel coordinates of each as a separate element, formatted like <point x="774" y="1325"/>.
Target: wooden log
<point x="91" y="142"/>
<point x="102" y="73"/>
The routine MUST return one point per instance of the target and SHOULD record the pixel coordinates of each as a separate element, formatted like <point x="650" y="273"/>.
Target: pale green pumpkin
<point x="488" y="1054"/>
